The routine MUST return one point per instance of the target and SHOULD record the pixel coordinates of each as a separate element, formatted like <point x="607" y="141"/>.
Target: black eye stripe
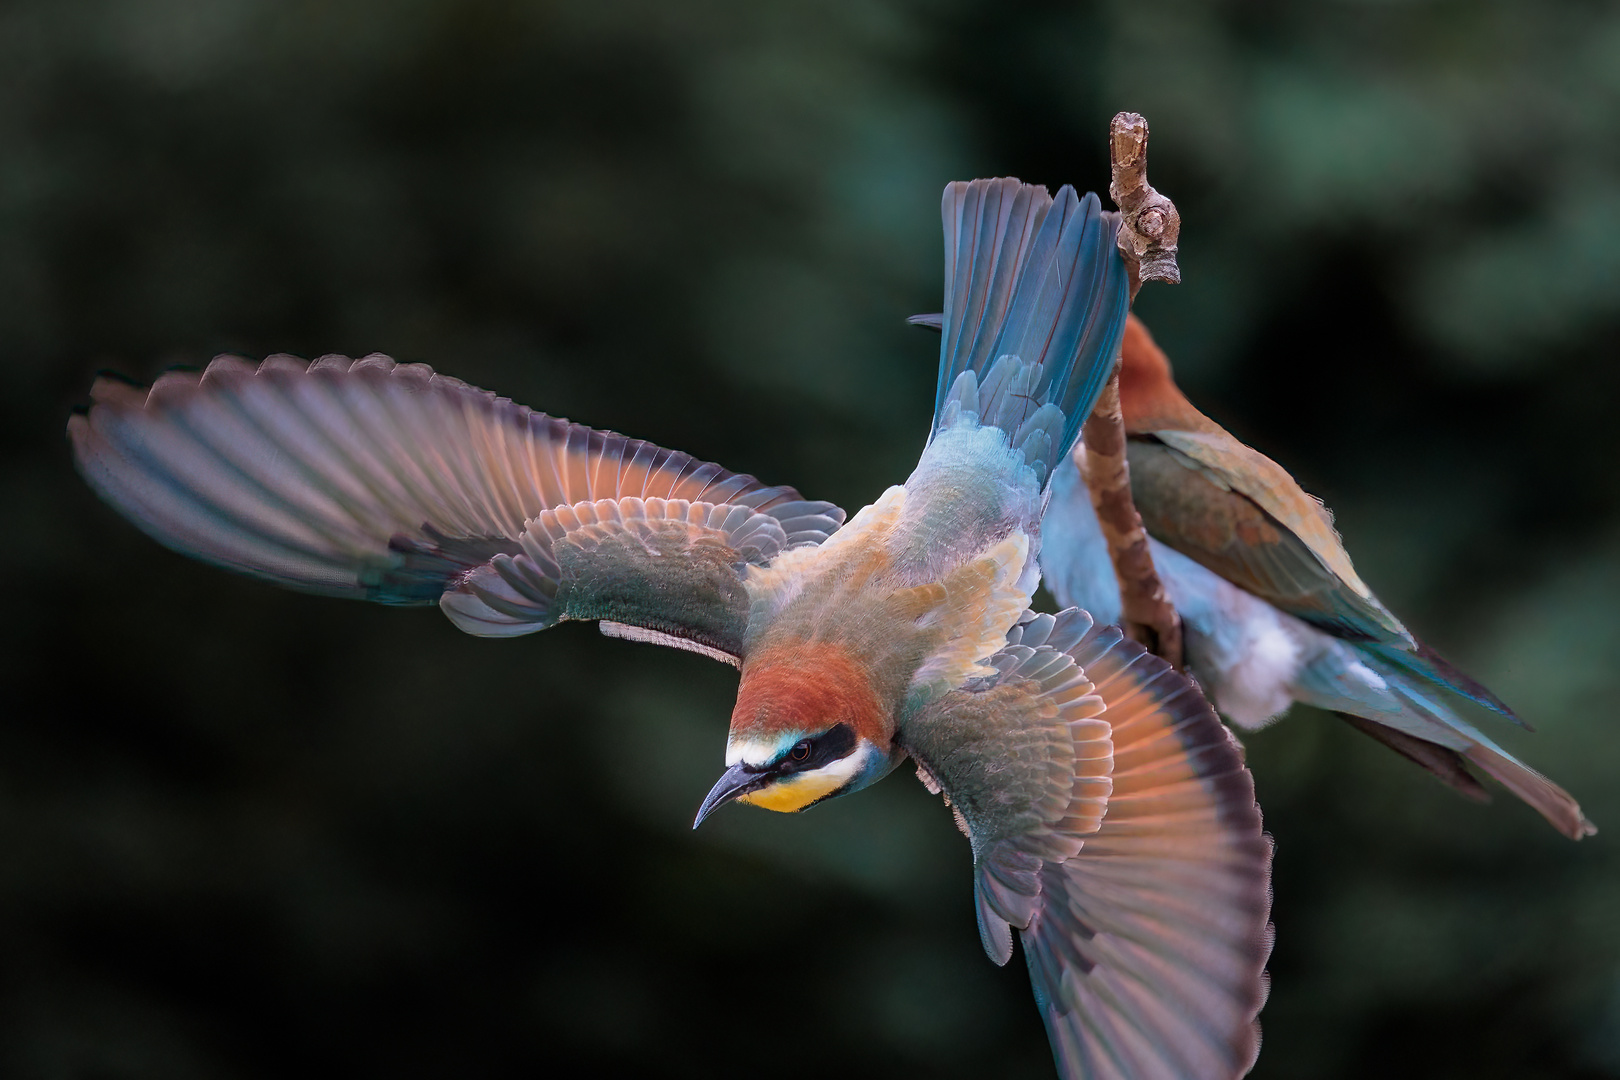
<point x="832" y="744"/>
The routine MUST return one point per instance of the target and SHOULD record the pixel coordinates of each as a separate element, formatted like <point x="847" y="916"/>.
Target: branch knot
<point x="1149" y="225"/>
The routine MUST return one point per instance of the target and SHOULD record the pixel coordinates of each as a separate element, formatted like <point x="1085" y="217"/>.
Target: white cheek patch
<point x="843" y="770"/>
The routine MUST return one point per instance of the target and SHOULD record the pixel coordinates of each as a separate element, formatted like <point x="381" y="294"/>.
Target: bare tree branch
<point x="1147" y="614"/>
<point x="1149" y="229"/>
<point x="1150" y="225"/>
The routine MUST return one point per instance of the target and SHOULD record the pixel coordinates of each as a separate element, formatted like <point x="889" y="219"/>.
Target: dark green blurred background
<point x="245" y="833"/>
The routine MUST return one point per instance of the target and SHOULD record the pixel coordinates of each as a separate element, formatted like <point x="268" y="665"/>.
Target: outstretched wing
<point x="1145" y="927"/>
<point x="386" y="482"/>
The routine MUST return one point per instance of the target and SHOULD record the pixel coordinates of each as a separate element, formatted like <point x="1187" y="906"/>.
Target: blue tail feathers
<point x="1428" y="665"/>
<point x="1035" y="301"/>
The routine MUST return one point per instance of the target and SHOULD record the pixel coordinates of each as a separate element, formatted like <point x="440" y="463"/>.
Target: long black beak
<point x="738" y="780"/>
<point x="934" y="322"/>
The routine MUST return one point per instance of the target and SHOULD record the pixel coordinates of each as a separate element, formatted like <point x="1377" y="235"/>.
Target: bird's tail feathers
<point x="1421" y="726"/>
<point x="1430" y="666"/>
<point x="1547" y="798"/>
<point x="1035" y="301"/>
<point x="1441" y="761"/>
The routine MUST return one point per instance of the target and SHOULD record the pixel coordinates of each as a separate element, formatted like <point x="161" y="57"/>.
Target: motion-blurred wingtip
<point x="115" y="388"/>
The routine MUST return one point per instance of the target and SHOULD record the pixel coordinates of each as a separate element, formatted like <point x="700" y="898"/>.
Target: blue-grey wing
<point x="386" y="482"/>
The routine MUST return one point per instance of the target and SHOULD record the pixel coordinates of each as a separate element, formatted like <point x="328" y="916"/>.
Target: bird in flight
<point x="1111" y="819"/>
<point x="1272" y="608"/>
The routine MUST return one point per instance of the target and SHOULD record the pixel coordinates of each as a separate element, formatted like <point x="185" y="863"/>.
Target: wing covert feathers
<point x="667" y="566"/>
<point x="383" y="481"/>
<point x="1256" y="476"/>
<point x="1214" y="516"/>
<point x="1021" y="757"/>
<point x="1147" y="944"/>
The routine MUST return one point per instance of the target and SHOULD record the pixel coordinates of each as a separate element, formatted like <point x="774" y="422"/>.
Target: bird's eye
<point x="800" y="752"/>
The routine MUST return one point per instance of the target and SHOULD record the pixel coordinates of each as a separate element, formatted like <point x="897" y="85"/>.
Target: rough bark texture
<point x="1146" y="611"/>
<point x="1150" y="226"/>
<point x="1149" y="229"/>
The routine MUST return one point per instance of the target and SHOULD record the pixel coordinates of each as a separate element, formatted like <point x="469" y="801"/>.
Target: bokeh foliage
<point x="247" y="830"/>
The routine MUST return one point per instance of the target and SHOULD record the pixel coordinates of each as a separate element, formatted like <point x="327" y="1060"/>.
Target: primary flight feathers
<point x="1112" y="820"/>
<point x="383" y="481"/>
<point x="1145" y="926"/>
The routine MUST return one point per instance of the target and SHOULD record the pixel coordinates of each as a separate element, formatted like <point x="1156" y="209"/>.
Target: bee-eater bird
<point x="1271" y="607"/>
<point x="1111" y="819"/>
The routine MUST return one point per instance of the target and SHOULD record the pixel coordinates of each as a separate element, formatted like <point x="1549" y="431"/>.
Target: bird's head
<point x="1148" y="395"/>
<point x="807" y="726"/>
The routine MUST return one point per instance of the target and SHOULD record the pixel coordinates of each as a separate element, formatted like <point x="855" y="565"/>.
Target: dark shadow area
<point x="245" y="830"/>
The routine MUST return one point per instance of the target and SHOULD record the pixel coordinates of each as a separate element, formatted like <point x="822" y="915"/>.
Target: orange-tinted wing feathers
<point x="1147" y="931"/>
<point x="1218" y="502"/>
<point x="1233" y="509"/>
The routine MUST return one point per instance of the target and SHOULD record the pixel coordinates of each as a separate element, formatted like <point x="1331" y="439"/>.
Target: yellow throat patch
<point x="795" y="792"/>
